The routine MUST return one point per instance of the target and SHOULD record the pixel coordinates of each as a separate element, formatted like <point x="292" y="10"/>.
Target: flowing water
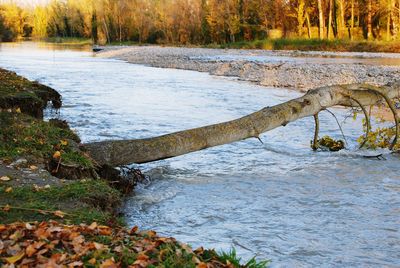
<point x="277" y="200"/>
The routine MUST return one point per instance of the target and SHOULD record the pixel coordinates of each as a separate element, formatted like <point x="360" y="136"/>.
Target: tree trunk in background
<point x="388" y="19"/>
<point x="369" y="20"/>
<point x="124" y="152"/>
<point x="341" y="21"/>
<point x="352" y="20"/>
<point x="308" y="25"/>
<point x="321" y="20"/>
<point x="94" y="28"/>
<point x="330" y="28"/>
<point x="300" y="17"/>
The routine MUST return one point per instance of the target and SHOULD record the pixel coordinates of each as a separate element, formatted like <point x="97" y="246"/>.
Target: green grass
<point x="26" y="136"/>
<point x="82" y="201"/>
<point x="317" y="44"/>
<point x="232" y="258"/>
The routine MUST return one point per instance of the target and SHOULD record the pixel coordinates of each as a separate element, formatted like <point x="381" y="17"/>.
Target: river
<point x="277" y="200"/>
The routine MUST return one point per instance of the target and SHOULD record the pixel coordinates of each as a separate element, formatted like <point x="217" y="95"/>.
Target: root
<point x="314" y="145"/>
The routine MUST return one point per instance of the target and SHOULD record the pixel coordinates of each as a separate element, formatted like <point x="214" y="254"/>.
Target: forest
<point x="200" y="22"/>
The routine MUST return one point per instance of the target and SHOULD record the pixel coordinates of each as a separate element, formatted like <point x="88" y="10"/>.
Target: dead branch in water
<point x="123" y="152"/>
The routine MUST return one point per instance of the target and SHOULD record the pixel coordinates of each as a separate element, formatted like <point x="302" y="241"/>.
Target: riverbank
<point x="50" y="191"/>
<point x="288" y="69"/>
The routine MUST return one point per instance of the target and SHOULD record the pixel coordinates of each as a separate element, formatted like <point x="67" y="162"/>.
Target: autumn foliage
<point x="51" y="244"/>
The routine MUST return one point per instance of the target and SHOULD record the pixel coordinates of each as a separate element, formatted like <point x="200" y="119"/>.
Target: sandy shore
<point x="289" y="69"/>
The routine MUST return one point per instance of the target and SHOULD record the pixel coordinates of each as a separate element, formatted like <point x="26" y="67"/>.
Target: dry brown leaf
<point x="134" y="230"/>
<point x="33" y="167"/>
<point x="28" y="226"/>
<point x="57" y="155"/>
<point x="59" y="213"/>
<point x="104" y="230"/>
<point x="30" y="250"/>
<point x="201" y="265"/>
<point x="8" y="190"/>
<point x="93" y="226"/>
<point x="108" y="264"/>
<point x="5" y="178"/>
<point x="75" y="264"/>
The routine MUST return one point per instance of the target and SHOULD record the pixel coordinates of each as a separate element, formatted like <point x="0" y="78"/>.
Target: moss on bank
<point x="73" y="203"/>
<point x="29" y="97"/>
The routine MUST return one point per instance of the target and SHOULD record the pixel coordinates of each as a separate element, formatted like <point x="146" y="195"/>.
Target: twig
<point x="379" y="156"/>
<point x="58" y="165"/>
<point x="340" y="127"/>
<point x="41" y="211"/>
<point x="367" y="121"/>
<point x="392" y="108"/>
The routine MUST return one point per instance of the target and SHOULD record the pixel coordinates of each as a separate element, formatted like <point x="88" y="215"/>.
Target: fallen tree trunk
<point x="123" y="152"/>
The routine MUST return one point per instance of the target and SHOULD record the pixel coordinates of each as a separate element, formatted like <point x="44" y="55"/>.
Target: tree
<point x="123" y="152"/>
<point x="320" y="20"/>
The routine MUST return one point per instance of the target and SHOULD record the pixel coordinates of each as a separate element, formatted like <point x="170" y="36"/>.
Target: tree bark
<point x="352" y="21"/>
<point x="123" y="152"/>
<point x="330" y="28"/>
<point x="369" y="20"/>
<point x="321" y="20"/>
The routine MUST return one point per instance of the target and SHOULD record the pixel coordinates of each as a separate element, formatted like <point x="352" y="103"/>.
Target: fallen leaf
<point x="201" y="265"/>
<point x="75" y="263"/>
<point x="93" y="226"/>
<point x="6" y="208"/>
<point x="28" y="226"/>
<point x="32" y="167"/>
<point x="15" y="258"/>
<point x="57" y="155"/>
<point x="30" y="250"/>
<point x="64" y="142"/>
<point x="108" y="264"/>
<point x="18" y="110"/>
<point x="92" y="261"/>
<point x="9" y="190"/>
<point x="59" y="213"/>
<point x="104" y="230"/>
<point x="134" y="230"/>
<point x="5" y="178"/>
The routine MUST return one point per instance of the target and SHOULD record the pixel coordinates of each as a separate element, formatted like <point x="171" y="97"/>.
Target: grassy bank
<point x="317" y="45"/>
<point x="56" y="211"/>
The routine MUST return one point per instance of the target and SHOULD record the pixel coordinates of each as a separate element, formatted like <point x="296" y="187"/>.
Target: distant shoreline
<point x="283" y="69"/>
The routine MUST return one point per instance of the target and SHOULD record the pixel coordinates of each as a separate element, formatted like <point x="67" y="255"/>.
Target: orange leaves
<point x="8" y="190"/>
<point x="109" y="264"/>
<point x="50" y="244"/>
<point x="59" y="213"/>
<point x="57" y="155"/>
